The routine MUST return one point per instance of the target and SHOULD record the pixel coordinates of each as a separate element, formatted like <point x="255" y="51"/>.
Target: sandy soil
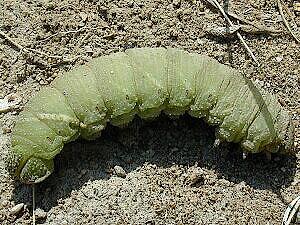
<point x="173" y="175"/>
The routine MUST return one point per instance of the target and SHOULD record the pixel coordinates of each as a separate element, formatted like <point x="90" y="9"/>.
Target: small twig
<point x="260" y="28"/>
<point x="291" y="211"/>
<point x="226" y="5"/>
<point x="58" y="57"/>
<point x="28" y="50"/>
<point x="63" y="33"/>
<point x="33" y="204"/>
<point x="111" y="35"/>
<point x="81" y="42"/>
<point x="263" y="30"/>
<point x="286" y="22"/>
<point x="71" y="32"/>
<point x="216" y="4"/>
<point x="15" y="44"/>
<point x="284" y="6"/>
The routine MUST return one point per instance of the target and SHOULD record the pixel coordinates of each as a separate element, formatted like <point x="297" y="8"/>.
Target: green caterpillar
<point x="144" y="82"/>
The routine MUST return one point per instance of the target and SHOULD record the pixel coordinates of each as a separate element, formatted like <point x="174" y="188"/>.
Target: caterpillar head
<point x="29" y="170"/>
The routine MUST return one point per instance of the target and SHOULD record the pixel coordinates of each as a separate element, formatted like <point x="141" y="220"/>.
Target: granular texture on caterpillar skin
<point x="145" y="82"/>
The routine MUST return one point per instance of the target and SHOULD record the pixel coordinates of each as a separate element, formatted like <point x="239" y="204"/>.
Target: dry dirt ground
<point x="173" y="175"/>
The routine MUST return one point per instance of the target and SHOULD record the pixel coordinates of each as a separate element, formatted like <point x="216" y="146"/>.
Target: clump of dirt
<point x="160" y="172"/>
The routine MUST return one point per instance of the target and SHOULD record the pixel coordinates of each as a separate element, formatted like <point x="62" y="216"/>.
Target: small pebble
<point x="175" y="149"/>
<point x="82" y="173"/>
<point x="5" y="203"/>
<point x="243" y="183"/>
<point x="88" y="49"/>
<point x="278" y="59"/>
<point x="40" y="213"/>
<point x="295" y="182"/>
<point x="6" y="130"/>
<point x="16" y="209"/>
<point x="276" y="159"/>
<point x="83" y="16"/>
<point x="283" y="169"/>
<point x="196" y="179"/>
<point x="176" y="2"/>
<point x="120" y="172"/>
